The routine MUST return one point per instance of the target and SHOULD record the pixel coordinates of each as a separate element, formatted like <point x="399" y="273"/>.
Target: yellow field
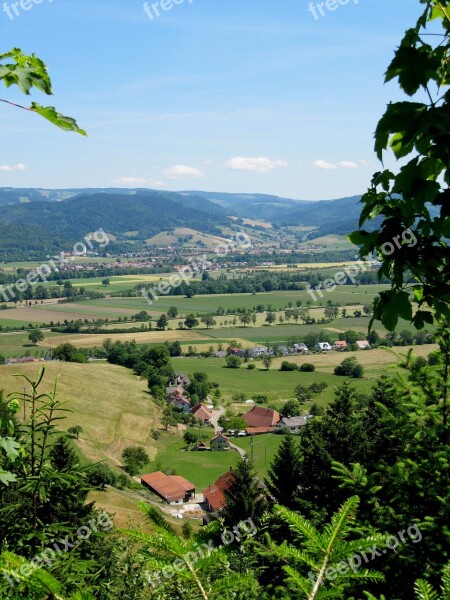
<point x="375" y="359"/>
<point x="144" y="337"/>
<point x="164" y="238"/>
<point x="111" y="404"/>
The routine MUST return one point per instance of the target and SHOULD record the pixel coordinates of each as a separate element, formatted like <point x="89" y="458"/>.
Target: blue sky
<point x="219" y="95"/>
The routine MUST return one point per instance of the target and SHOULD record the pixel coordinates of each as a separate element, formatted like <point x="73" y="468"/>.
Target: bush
<point x="156" y="434"/>
<point x="316" y="388"/>
<point x="288" y="366"/>
<point x="350" y="368"/>
<point x="251" y="366"/>
<point x="307" y="368"/>
<point x="234" y="362"/>
<point x="260" y="399"/>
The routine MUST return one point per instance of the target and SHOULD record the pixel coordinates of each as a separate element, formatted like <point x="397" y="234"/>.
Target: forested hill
<point x="144" y="213"/>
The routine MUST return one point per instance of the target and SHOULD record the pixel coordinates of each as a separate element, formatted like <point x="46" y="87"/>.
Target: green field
<point x="265" y="447"/>
<point x="202" y="468"/>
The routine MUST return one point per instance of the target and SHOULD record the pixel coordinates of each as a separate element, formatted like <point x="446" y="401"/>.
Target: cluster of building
<point x="260" y="351"/>
<point x="179" y="399"/>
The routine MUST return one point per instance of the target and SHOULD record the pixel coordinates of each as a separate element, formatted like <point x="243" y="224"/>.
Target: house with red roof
<point x="215" y="493"/>
<point x="261" y="420"/>
<point x="173" y="489"/>
<point x="202" y="413"/>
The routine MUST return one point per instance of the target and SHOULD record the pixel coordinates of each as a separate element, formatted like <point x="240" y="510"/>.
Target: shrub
<point x="307" y="368"/>
<point x="156" y="434"/>
<point x="288" y="366"/>
<point x="251" y="366"/>
<point x="234" y="362"/>
<point x="350" y="368"/>
<point x="316" y="388"/>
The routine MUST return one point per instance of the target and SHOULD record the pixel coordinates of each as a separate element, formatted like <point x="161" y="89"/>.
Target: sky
<point x="254" y="96"/>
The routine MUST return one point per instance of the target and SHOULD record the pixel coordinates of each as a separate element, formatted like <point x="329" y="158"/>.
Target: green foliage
<point x="288" y="366"/>
<point x="284" y="473"/>
<point x="27" y="72"/>
<point x="134" y="459"/>
<point x="101" y="475"/>
<point x="313" y="566"/>
<point x="413" y="204"/>
<point x="307" y="368"/>
<point x="292" y="408"/>
<point x="206" y="576"/>
<point x="35" y="336"/>
<point x="350" y="367"/>
<point x="233" y="362"/>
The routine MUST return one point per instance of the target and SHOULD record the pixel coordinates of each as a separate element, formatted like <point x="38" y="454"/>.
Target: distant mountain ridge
<point x="136" y="215"/>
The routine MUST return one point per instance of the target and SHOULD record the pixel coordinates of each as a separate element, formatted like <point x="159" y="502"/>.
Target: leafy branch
<point x="27" y="72"/>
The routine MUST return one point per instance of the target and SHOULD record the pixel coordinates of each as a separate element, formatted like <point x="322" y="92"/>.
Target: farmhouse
<point x="340" y="345"/>
<point x="363" y="345"/>
<point x="220" y="442"/>
<point x="172" y="489"/>
<point x="261" y="420"/>
<point x="215" y="494"/>
<point x="202" y="413"/>
<point x="292" y="424"/>
<point x="257" y="352"/>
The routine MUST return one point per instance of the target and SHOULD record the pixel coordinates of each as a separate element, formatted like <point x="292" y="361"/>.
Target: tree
<point x="292" y="408"/>
<point x="190" y="438"/>
<point x="191" y="322"/>
<point x="75" y="431"/>
<point x="304" y="315"/>
<point x="162" y="322"/>
<point x="101" y="475"/>
<point x="243" y="498"/>
<point x="331" y="312"/>
<point x="68" y="353"/>
<point x="172" y="313"/>
<point x="62" y="455"/>
<point x="350" y="367"/>
<point x="245" y="319"/>
<point x="208" y="321"/>
<point x="412" y="238"/>
<point x="134" y="459"/>
<point x="35" y="336"/>
<point x="27" y="72"/>
<point x="267" y="361"/>
<point x="233" y="362"/>
<point x="283" y="477"/>
<point x="254" y="319"/>
<point x="236" y="424"/>
<point x="106" y="282"/>
<point x="168" y="419"/>
<point x="302" y="393"/>
<point x="271" y="317"/>
<point x="313" y="558"/>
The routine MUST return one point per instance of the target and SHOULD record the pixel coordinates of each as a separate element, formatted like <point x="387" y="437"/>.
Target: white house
<point x="299" y="348"/>
<point x="292" y="424"/>
<point x="323" y="347"/>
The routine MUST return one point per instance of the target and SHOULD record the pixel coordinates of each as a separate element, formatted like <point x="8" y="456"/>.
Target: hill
<point x="109" y="402"/>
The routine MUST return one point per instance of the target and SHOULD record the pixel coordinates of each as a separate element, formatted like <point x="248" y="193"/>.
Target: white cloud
<point x="19" y="167"/>
<point x="347" y="164"/>
<point x="322" y="164"/>
<point x="183" y="172"/>
<point x="341" y="164"/>
<point x="261" y="164"/>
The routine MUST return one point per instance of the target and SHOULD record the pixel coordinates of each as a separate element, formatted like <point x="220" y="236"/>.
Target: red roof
<point x="169" y="487"/>
<point x="258" y="430"/>
<point x="261" y="417"/>
<point x="215" y="494"/>
<point x="201" y="412"/>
